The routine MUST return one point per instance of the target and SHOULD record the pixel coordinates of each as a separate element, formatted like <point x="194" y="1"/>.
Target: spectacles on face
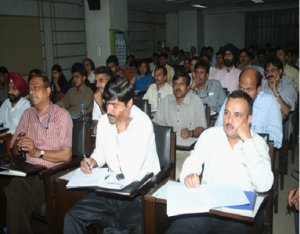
<point x="35" y="88"/>
<point x="272" y="70"/>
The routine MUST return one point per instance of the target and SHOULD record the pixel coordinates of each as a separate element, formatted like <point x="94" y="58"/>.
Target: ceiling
<point x="168" y="6"/>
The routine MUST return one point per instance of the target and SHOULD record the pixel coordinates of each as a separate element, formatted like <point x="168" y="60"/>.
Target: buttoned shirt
<point x="50" y="131"/>
<point x="152" y="94"/>
<point x="212" y="72"/>
<point x="246" y="165"/>
<point x="11" y="115"/>
<point x="212" y="94"/>
<point x="229" y="80"/>
<point x="293" y="73"/>
<point x="74" y="98"/>
<point x="266" y="117"/>
<point x="97" y="114"/>
<point x="286" y="90"/>
<point x="190" y="114"/>
<point x="132" y="152"/>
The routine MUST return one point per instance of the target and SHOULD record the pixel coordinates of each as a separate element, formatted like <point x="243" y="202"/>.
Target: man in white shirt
<point x="126" y="144"/>
<point x="14" y="106"/>
<point x="157" y="91"/>
<point x="102" y="76"/>
<point x="231" y="154"/>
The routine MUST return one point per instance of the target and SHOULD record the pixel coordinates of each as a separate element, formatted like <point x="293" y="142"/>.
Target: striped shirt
<point x="50" y="131"/>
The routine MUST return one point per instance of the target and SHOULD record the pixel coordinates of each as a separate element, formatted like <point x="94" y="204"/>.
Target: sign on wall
<point x="119" y="46"/>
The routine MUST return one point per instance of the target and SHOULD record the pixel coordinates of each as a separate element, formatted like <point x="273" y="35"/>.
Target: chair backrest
<point x="79" y="137"/>
<point x="207" y="115"/>
<point x="143" y="105"/>
<point x="165" y="140"/>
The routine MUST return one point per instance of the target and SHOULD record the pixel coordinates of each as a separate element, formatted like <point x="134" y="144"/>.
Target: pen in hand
<point x="90" y="169"/>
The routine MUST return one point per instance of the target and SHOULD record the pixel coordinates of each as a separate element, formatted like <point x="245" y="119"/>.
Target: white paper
<point x="182" y="200"/>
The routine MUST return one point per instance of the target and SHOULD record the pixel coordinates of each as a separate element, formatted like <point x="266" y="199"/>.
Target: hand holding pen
<point x="87" y="164"/>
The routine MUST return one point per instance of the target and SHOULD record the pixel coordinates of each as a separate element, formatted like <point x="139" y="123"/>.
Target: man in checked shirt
<point x="44" y="133"/>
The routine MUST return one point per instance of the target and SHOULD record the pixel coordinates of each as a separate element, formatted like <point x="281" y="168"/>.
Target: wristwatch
<point x="42" y="152"/>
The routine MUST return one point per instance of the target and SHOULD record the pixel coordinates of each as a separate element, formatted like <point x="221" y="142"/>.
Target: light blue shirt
<point x="266" y="117"/>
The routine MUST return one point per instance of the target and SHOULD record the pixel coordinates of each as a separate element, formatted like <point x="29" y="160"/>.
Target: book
<point x="251" y="196"/>
<point x="103" y="180"/>
<point x="20" y="168"/>
<point x="183" y="200"/>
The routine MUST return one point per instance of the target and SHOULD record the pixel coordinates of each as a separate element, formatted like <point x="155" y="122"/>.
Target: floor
<point x="283" y="223"/>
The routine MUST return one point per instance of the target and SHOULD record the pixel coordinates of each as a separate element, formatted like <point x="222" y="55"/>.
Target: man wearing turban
<point x="13" y="107"/>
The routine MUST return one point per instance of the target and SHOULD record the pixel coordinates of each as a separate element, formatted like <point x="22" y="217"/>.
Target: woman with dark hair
<point x="143" y="78"/>
<point x="58" y="81"/>
<point x="89" y="67"/>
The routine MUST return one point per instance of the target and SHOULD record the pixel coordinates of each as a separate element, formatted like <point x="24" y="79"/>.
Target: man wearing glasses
<point x="44" y="133"/>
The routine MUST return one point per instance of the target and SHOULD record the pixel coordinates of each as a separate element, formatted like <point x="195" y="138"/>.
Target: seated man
<point x="113" y="63"/>
<point x="126" y="143"/>
<point x="14" y="106"/>
<point x="163" y="61"/>
<point x="266" y="115"/>
<point x="80" y="94"/>
<point x="44" y="133"/>
<point x="182" y="110"/>
<point x="102" y="76"/>
<point x="157" y="91"/>
<point x="231" y="154"/>
<point x="210" y="91"/>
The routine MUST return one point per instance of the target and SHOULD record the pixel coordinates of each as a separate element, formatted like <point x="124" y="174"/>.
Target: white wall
<point x="172" y="30"/>
<point x="222" y="28"/>
<point x="145" y="30"/>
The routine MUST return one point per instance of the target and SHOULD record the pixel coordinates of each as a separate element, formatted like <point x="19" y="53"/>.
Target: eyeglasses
<point x="35" y="88"/>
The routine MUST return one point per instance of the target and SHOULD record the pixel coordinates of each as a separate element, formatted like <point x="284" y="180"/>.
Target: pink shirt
<point x="50" y="131"/>
<point x="229" y="80"/>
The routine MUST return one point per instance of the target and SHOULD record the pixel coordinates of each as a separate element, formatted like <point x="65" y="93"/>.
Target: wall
<point x="172" y="30"/>
<point x="145" y="30"/>
<point x="62" y="29"/>
<point x="221" y="28"/>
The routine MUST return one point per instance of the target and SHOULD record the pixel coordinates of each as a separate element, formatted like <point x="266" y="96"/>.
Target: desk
<point x="156" y="220"/>
<point x="65" y="199"/>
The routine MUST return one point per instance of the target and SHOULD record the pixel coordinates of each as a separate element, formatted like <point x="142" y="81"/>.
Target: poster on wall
<point x="119" y="46"/>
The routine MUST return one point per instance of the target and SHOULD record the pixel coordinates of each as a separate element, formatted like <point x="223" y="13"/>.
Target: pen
<point x="87" y="162"/>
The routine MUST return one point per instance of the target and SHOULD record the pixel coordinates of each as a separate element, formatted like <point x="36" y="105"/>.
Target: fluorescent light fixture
<point x="257" y="1"/>
<point x="199" y="6"/>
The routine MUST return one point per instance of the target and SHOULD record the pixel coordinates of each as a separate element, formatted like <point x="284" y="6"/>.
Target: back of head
<point x="243" y="95"/>
<point x="118" y="88"/>
<point x="256" y="73"/>
<point x="78" y="67"/>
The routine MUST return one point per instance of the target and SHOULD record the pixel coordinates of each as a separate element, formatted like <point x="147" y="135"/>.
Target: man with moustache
<point x="126" y="143"/>
<point x="194" y="60"/>
<point x="12" y="108"/>
<point x="231" y="154"/>
<point x="44" y="133"/>
<point x="80" y="94"/>
<point x="245" y="62"/>
<point x="163" y="61"/>
<point x="159" y="89"/>
<point x="266" y="115"/>
<point x="229" y="75"/>
<point x="102" y="76"/>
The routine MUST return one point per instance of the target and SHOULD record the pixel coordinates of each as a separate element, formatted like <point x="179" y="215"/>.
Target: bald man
<point x="266" y="116"/>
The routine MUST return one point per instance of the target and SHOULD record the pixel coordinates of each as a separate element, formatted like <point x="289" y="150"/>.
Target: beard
<point x="13" y="99"/>
<point x="228" y="63"/>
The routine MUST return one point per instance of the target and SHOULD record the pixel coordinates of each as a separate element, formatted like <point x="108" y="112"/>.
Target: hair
<point x="104" y="70"/>
<point x="202" y="63"/>
<point x="140" y="64"/>
<point x="119" y="87"/>
<point x="165" y="55"/>
<point x="275" y="62"/>
<point x="3" y="70"/>
<point x="245" y="51"/>
<point x="78" y="67"/>
<point x="155" y="55"/>
<point x="220" y="52"/>
<point x="90" y="62"/>
<point x="112" y="59"/>
<point x="130" y="56"/>
<point x="158" y="67"/>
<point x="280" y="48"/>
<point x="45" y="80"/>
<point x="195" y="58"/>
<point x="37" y="72"/>
<point x="258" y="76"/>
<point x="243" y="95"/>
<point x="210" y="48"/>
<point x="58" y="68"/>
<point x="134" y="63"/>
<point x="182" y="74"/>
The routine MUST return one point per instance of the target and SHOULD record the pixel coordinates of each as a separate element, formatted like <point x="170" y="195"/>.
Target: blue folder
<point x="251" y="195"/>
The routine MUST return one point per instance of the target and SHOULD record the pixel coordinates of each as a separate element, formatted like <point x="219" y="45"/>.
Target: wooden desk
<point x="156" y="220"/>
<point x="65" y="199"/>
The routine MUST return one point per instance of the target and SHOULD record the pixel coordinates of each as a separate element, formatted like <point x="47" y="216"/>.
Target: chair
<point x="79" y="140"/>
<point x="207" y="115"/>
<point x="143" y="105"/>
